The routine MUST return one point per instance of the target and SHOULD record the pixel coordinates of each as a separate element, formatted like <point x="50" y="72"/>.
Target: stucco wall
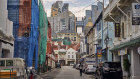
<point x="7" y="27"/>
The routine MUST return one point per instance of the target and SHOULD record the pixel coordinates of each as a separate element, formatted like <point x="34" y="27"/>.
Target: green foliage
<point x="126" y="65"/>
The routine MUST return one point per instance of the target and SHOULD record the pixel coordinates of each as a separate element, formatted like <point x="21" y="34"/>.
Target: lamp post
<point x="96" y="54"/>
<point x="106" y="42"/>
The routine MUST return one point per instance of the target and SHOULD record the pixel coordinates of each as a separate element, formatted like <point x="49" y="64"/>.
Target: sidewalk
<point x="42" y="74"/>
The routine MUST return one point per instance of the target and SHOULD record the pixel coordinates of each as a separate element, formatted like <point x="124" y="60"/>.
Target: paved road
<point x="66" y="72"/>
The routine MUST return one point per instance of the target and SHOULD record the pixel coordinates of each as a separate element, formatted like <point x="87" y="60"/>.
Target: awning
<point x="129" y="43"/>
<point x="62" y="50"/>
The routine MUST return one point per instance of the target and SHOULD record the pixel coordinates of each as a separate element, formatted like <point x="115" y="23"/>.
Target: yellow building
<point x="54" y="11"/>
<point x="88" y="26"/>
<point x="69" y="34"/>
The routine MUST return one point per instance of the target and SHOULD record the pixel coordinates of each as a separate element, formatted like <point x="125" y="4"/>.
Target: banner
<point x="99" y="51"/>
<point x="117" y="30"/>
<point x="122" y="51"/>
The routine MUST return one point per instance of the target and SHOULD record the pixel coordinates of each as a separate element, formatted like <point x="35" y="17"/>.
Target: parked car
<point x="58" y="65"/>
<point x="90" y="69"/>
<point x="74" y="66"/>
<point x="77" y="66"/>
<point x="109" y="70"/>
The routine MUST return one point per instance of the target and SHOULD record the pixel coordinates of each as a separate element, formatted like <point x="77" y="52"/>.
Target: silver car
<point x="90" y="69"/>
<point x="77" y="66"/>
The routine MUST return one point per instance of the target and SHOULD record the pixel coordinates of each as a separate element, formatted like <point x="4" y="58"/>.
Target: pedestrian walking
<point x="80" y="67"/>
<point x="31" y="76"/>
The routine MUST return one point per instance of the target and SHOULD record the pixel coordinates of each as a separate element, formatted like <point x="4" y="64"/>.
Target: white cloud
<point x="79" y="11"/>
<point x="75" y="6"/>
<point x="74" y="10"/>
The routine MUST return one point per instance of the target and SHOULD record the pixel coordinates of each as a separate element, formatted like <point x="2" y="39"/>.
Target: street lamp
<point x="106" y="40"/>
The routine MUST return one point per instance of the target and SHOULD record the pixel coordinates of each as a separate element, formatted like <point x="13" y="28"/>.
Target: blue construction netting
<point x="33" y="46"/>
<point x="25" y="47"/>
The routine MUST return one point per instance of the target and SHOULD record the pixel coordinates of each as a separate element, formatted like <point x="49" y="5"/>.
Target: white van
<point x="12" y="67"/>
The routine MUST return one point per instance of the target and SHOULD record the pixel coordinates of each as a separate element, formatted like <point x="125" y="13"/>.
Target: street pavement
<point x="66" y="72"/>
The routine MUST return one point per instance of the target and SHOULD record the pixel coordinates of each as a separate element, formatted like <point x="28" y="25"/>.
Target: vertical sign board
<point x="117" y="29"/>
<point x="99" y="51"/>
<point x="136" y="14"/>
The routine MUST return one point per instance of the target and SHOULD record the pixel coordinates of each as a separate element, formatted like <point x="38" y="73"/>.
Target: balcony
<point x="115" y="8"/>
<point x="109" y="8"/>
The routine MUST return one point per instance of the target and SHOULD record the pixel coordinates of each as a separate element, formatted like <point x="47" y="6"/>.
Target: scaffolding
<point x="25" y="17"/>
<point x="43" y="25"/>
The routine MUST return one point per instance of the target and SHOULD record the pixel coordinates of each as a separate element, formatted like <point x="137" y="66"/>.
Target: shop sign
<point x="136" y="14"/>
<point x="99" y="55"/>
<point x="122" y="52"/>
<point x="136" y="9"/>
<point x="117" y="29"/>
<point x="139" y="50"/>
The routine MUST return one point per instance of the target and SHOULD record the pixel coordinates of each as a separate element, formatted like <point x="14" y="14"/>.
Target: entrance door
<point x="62" y="62"/>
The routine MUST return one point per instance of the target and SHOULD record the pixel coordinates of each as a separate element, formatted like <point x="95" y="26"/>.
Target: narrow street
<point x="66" y="72"/>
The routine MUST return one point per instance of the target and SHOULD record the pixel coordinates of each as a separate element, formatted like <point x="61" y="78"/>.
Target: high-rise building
<point x="65" y="7"/>
<point x="79" y="25"/>
<point x="59" y="7"/>
<point x="62" y="21"/>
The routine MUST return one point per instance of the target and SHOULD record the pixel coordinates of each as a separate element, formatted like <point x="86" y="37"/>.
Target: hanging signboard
<point x="122" y="51"/>
<point x="117" y="29"/>
<point x="136" y="14"/>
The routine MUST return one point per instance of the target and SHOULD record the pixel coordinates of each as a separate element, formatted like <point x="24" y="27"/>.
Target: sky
<point x="77" y="7"/>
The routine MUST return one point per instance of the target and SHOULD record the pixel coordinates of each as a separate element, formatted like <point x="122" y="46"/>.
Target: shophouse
<point x="125" y="15"/>
<point x="6" y="32"/>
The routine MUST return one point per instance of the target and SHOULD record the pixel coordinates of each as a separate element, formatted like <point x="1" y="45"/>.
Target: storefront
<point x="129" y="55"/>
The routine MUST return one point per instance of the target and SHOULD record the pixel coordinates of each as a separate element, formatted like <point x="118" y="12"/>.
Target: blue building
<point x="108" y="37"/>
<point x="104" y="31"/>
<point x="88" y="14"/>
<point x="96" y="10"/>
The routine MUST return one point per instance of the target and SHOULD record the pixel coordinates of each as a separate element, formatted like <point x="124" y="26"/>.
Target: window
<point x="2" y="63"/>
<point x="9" y="63"/>
<point x="63" y="21"/>
<point x="123" y="35"/>
<point x="69" y="56"/>
<point x="72" y="56"/>
<point x="74" y="38"/>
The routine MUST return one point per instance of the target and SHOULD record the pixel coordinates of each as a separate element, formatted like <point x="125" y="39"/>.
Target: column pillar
<point x="135" y="64"/>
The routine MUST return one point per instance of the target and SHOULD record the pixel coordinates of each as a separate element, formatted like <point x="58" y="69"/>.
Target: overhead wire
<point x="86" y="7"/>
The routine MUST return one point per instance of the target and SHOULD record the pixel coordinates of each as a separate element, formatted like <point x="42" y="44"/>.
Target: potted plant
<point x="126" y="66"/>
